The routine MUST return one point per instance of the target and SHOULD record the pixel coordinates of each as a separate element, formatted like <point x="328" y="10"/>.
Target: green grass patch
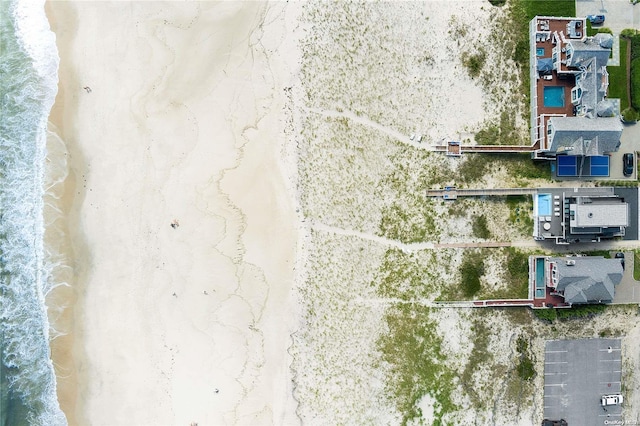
<point x="518" y="272"/>
<point x="504" y="132"/>
<point x="479" y="355"/>
<point x="636" y="266"/>
<point x="566" y="314"/>
<point x="633" y="37"/>
<point x="403" y="276"/>
<point x="471" y="270"/>
<point x="411" y="223"/>
<point x="412" y="349"/>
<point x="479" y="227"/>
<point x="520" y="212"/>
<point x="547" y="315"/>
<point x="604" y="253"/>
<point x="565" y="8"/>
<point x="473" y="168"/>
<point x="516" y="276"/>
<point x="618" y="78"/>
<point x="525" y="367"/>
<point x="474" y="62"/>
<point x="580" y="311"/>
<point x="525" y="168"/>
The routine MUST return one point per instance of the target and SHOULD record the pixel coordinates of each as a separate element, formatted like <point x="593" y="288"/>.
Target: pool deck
<point x="567" y="84"/>
<point x="567" y="81"/>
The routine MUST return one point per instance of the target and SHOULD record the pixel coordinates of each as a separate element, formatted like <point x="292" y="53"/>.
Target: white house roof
<point x="600" y="215"/>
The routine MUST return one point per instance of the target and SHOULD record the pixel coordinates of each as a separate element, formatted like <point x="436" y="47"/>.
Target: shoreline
<point x="67" y="242"/>
<point x="179" y="307"/>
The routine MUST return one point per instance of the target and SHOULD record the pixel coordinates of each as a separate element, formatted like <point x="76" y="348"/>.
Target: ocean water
<point x="28" y="85"/>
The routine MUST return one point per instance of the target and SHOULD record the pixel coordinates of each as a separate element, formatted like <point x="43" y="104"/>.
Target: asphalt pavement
<point x="577" y="373"/>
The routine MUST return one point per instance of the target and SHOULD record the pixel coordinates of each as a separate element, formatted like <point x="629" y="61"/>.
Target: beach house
<point x="573" y="215"/>
<point x="578" y="279"/>
<point x="570" y="112"/>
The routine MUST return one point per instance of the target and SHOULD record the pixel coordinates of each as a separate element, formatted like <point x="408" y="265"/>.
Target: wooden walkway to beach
<point x="452" y="193"/>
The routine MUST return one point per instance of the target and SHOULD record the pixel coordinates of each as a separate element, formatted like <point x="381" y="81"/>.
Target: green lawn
<point x="549" y="8"/>
<point x="522" y="12"/>
<point x="618" y="79"/>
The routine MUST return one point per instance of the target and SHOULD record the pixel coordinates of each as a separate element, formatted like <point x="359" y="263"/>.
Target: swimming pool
<point x="540" y="287"/>
<point x="544" y="204"/>
<point x="540" y="273"/>
<point x="539" y="51"/>
<point x="554" y="96"/>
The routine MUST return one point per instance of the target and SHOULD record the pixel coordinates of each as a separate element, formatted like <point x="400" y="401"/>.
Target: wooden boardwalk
<point x="453" y="193"/>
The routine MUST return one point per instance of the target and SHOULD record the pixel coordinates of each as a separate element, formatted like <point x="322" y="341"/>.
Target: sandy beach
<point x="179" y="212"/>
<point x="237" y="217"/>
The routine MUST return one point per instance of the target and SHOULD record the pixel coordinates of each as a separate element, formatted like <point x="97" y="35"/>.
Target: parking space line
<point x="555" y="384"/>
<point x="554" y="374"/>
<point x="609" y="415"/>
<point x="556" y="362"/>
<point x="556" y="352"/>
<point x="609" y="360"/>
<point x="612" y="350"/>
<point x="609" y="382"/>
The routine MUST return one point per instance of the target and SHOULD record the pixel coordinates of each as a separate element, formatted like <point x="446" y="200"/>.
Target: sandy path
<point x="182" y="125"/>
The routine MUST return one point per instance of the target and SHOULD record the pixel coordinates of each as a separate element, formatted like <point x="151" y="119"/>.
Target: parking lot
<point x="577" y="373"/>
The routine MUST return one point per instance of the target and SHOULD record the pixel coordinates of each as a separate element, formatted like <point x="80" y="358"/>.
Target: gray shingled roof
<point x="604" y="40"/>
<point x="591" y="279"/>
<point x="585" y="50"/>
<point x="605" y="108"/>
<point x="570" y="132"/>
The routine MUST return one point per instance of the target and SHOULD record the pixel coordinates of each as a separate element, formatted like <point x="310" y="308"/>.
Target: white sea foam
<point x="29" y="76"/>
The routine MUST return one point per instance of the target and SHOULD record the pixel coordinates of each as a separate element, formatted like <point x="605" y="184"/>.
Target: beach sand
<point x="172" y="114"/>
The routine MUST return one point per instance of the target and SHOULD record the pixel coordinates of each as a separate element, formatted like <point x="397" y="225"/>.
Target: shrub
<point x="521" y="52"/>
<point x="628" y="32"/>
<point x="479" y="227"/>
<point x="581" y="311"/>
<point x="474" y="63"/>
<point x="547" y="315"/>
<point x="635" y="83"/>
<point x="471" y="270"/>
<point x="497" y="2"/>
<point x="473" y="168"/>
<point x="525" y="367"/>
<point x="629" y="115"/>
<point x="488" y="136"/>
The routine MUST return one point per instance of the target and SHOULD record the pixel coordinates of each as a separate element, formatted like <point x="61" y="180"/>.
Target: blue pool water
<point x="540" y="51"/>
<point x="544" y="204"/>
<point x="540" y="273"/>
<point x="554" y="96"/>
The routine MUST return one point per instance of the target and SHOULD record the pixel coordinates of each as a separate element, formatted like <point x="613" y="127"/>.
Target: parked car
<point x="615" y="399"/>
<point x="561" y="422"/>
<point x="627" y="164"/>
<point x="595" y="19"/>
